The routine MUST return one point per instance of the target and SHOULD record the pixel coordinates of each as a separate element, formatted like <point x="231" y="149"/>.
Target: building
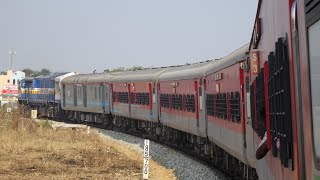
<point x="9" y="83"/>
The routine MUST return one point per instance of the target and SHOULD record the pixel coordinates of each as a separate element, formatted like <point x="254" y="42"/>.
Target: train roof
<point x="186" y="72"/>
<point x="89" y="78"/>
<point x="203" y="69"/>
<point x="139" y="75"/>
<point x="232" y="58"/>
<point x="59" y="78"/>
<point x="51" y="76"/>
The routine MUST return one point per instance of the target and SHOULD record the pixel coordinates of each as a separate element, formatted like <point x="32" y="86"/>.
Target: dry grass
<point x="35" y="151"/>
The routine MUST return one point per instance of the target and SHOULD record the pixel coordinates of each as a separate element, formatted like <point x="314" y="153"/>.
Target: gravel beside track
<point x="185" y="167"/>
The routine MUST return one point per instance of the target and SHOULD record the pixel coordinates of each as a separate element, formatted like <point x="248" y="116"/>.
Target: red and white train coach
<point x="182" y="100"/>
<point x="134" y="97"/>
<point x="284" y="84"/>
<point x="224" y="87"/>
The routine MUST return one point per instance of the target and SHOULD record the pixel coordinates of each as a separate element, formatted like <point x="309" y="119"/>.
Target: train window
<point x="115" y="96"/>
<point x="164" y="100"/>
<point x="279" y="98"/>
<point x="180" y="102"/>
<point x="190" y="103"/>
<point x="123" y="97"/>
<point x="228" y="106"/>
<point x="146" y="98"/>
<point x="187" y="103"/>
<point x="167" y="101"/>
<point x="132" y="99"/>
<point x="141" y="98"/>
<point x="260" y="105"/>
<point x="138" y="98"/>
<point x="173" y="101"/>
<point x="314" y="58"/>
<point x="234" y="112"/>
<point x="183" y="101"/>
<point x="177" y="102"/>
<point x="221" y="106"/>
<point x="210" y="105"/>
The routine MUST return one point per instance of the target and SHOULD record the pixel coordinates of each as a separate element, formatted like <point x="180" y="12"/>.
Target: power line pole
<point x="12" y="53"/>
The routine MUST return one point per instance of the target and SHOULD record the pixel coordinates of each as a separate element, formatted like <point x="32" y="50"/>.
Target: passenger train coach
<point x="265" y="94"/>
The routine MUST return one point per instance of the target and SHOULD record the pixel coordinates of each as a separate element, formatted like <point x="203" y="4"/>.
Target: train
<point x="42" y="93"/>
<point x="264" y="93"/>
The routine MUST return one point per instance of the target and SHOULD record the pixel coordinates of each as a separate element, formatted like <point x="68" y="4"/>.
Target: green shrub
<point x="46" y="124"/>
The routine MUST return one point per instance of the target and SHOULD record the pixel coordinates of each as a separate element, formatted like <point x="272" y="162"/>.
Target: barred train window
<point x="190" y="103"/>
<point x="177" y="102"/>
<point x="235" y="107"/>
<point x="210" y="104"/>
<point x="221" y="106"/>
<point x="314" y="58"/>
<point x="164" y="101"/>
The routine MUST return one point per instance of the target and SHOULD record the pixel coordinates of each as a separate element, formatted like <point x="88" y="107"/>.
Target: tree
<point x="28" y="72"/>
<point x="119" y="69"/>
<point x="135" y="68"/>
<point x="44" y="72"/>
<point x="31" y="73"/>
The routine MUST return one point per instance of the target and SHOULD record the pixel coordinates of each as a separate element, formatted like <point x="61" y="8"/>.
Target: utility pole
<point x="12" y="53"/>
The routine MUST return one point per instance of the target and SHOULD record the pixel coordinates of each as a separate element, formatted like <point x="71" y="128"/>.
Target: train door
<point x="196" y="101"/>
<point x="129" y="103"/>
<point x="246" y="103"/>
<point x="64" y="95"/>
<point x="298" y="92"/>
<point x="203" y="124"/>
<point x="84" y="95"/>
<point x="108" y="98"/>
<point x="159" y="101"/>
<point x="75" y="95"/>
<point x="104" y="96"/>
<point x="28" y="88"/>
<point x="111" y="97"/>
<point x="154" y="101"/>
<point x="150" y="99"/>
<point x="242" y="103"/>
<point x="311" y="52"/>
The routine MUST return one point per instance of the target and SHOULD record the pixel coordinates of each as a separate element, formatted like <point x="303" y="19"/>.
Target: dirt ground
<point x="30" y="150"/>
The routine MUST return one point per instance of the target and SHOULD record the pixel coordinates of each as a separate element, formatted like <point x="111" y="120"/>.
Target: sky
<point x="88" y="35"/>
